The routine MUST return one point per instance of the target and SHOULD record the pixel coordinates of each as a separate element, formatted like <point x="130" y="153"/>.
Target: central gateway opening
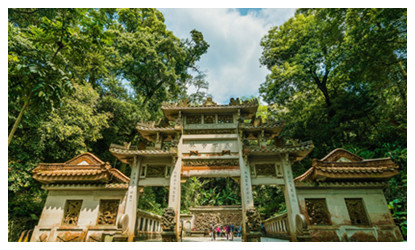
<point x="210" y="204"/>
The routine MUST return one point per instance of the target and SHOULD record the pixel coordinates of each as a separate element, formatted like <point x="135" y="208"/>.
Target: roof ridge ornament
<point x="209" y="102"/>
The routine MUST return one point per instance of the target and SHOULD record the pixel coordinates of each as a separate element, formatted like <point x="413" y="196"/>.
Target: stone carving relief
<point x="108" y="210"/>
<point x="225" y="119"/>
<point x="72" y="211"/>
<point x="215" y="162"/>
<point x="194" y="119"/>
<point x="253" y="220"/>
<point x="210" y="119"/>
<point x="234" y="102"/>
<point x="209" y="102"/>
<point x="168" y="220"/>
<point x="205" y="220"/>
<point x="69" y="237"/>
<point x="357" y="212"/>
<point x="226" y="152"/>
<point x="208" y="131"/>
<point x="265" y="169"/>
<point x="156" y="171"/>
<point x="96" y="237"/>
<point x="317" y="211"/>
<point x="43" y="237"/>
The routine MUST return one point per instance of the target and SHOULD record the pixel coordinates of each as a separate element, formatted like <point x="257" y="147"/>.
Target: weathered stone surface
<point x="253" y="220"/>
<point x="95" y="237"/>
<point x="69" y="237"/>
<point x="43" y="237"/>
<point x="324" y="236"/>
<point x="207" y="216"/>
<point x="168" y="220"/>
<point x="362" y="236"/>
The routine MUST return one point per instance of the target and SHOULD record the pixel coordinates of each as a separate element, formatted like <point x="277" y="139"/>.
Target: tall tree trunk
<point x="322" y="86"/>
<point x="19" y="118"/>
<point x="398" y="83"/>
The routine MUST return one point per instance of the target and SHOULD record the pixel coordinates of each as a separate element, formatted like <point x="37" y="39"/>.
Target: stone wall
<point x="206" y="216"/>
<point x="332" y="221"/>
<point x="87" y="226"/>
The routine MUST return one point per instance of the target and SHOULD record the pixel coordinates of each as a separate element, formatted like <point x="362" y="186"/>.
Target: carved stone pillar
<point x="290" y="194"/>
<point x="132" y="197"/>
<point x="174" y="195"/>
<point x="246" y="193"/>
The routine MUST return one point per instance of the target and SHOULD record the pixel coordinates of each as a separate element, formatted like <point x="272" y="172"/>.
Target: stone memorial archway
<point x="212" y="140"/>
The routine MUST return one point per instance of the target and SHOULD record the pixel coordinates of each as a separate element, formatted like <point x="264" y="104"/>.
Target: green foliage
<point x="338" y="77"/>
<point x="269" y="200"/>
<point x="153" y="199"/>
<point x="79" y="80"/>
<point x="209" y="192"/>
<point x="74" y="125"/>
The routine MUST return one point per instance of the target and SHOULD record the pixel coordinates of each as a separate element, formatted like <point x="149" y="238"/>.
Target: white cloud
<point x="232" y="60"/>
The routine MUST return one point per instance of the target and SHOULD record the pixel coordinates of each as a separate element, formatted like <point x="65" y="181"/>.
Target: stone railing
<point x="277" y="226"/>
<point x="148" y="225"/>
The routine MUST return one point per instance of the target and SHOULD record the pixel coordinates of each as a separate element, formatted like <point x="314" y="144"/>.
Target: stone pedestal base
<point x="304" y="238"/>
<point x="120" y="238"/>
<point x="168" y="236"/>
<point x="253" y="237"/>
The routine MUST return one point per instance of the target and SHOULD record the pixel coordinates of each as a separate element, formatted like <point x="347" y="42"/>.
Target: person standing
<point x="218" y="230"/>
<point x="213" y="232"/>
<point x="227" y="231"/>
<point x="231" y="229"/>
<point x="239" y="231"/>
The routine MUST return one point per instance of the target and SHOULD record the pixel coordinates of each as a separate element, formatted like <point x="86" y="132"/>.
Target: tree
<point x="317" y="54"/>
<point x="151" y="58"/>
<point x="69" y="93"/>
<point x="301" y="55"/>
<point x="74" y="126"/>
<point x="338" y="77"/>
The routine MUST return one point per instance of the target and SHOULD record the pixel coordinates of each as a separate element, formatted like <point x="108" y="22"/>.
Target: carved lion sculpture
<point x="253" y="220"/>
<point x="168" y="220"/>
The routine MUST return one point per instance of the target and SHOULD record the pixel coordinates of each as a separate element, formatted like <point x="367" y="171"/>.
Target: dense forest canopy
<point x="80" y="79"/>
<point x="338" y="77"/>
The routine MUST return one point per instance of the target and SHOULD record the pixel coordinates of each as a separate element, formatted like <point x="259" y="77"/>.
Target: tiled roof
<point x="210" y="104"/>
<point x="249" y="126"/>
<point x="248" y="108"/>
<point x="126" y="154"/>
<point x="86" y="186"/>
<point x="299" y="151"/>
<point x="81" y="172"/>
<point x="146" y="127"/>
<point x="125" y="151"/>
<point x="349" y="167"/>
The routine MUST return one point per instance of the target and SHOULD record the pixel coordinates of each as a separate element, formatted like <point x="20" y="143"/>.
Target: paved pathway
<point x="221" y="239"/>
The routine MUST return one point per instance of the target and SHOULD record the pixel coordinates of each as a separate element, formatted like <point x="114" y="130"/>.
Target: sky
<point x="232" y="60"/>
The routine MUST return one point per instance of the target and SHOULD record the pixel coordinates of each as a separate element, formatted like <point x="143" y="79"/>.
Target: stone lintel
<point x="267" y="181"/>
<point x="209" y="171"/>
<point x="209" y="136"/>
<point x="215" y="208"/>
<point x="154" y="181"/>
